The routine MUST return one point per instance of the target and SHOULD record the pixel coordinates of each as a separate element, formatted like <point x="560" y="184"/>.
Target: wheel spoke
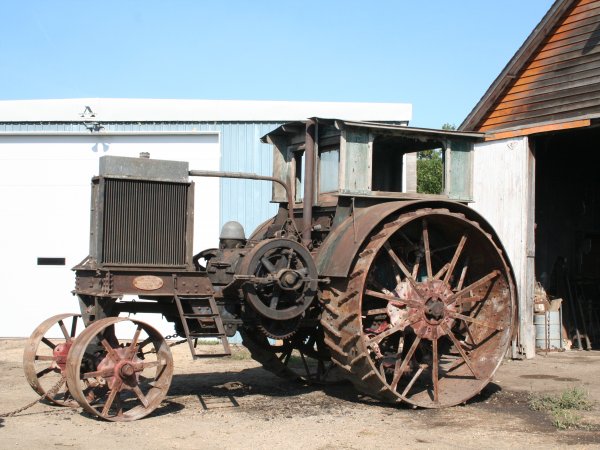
<point x="397" y="260"/>
<point x="73" y="326"/>
<point x="454" y="260"/>
<point x="376" y="312"/>
<point x="268" y="265"/>
<point x="427" y="249"/>
<point x="134" y="341"/>
<point x="441" y="272"/>
<point x="308" y="374"/>
<point x="111" y="397"/>
<point x="45" y="371"/>
<point x="475" y="321"/>
<point x="398" y="371"/>
<point x="287" y="259"/>
<point x="145" y="342"/>
<point x="139" y="367"/>
<point x="274" y="299"/>
<point x="111" y="352"/>
<point x="412" y="381"/>
<point x="44" y="358"/>
<point x="393" y="299"/>
<point x="493" y="274"/>
<point x="435" y="370"/>
<point x="64" y="331"/>
<point x="462" y="352"/>
<point x="381" y="336"/>
<point x="287" y="356"/>
<point x="140" y="395"/>
<point x="463" y="274"/>
<point x="415" y="271"/>
<point x="470" y="335"/>
<point x="473" y="299"/>
<point x="106" y="373"/>
<point x="48" y="343"/>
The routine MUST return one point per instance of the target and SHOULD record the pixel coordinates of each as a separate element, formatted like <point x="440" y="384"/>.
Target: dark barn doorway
<point x="567" y="215"/>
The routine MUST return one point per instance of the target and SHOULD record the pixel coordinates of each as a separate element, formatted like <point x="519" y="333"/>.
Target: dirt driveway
<point x="217" y="404"/>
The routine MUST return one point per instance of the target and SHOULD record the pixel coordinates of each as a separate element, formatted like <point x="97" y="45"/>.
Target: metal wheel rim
<point x="30" y="356"/>
<point x="355" y="324"/>
<point x="146" y="399"/>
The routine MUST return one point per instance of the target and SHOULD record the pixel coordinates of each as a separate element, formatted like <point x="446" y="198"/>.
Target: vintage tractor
<point x="409" y="296"/>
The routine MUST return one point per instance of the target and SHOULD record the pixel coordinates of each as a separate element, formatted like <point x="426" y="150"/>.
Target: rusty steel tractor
<point x="409" y="296"/>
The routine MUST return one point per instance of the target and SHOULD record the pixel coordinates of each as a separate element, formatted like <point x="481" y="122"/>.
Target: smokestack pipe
<point x="309" y="182"/>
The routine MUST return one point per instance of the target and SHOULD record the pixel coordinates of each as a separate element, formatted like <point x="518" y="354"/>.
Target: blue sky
<point x="439" y="55"/>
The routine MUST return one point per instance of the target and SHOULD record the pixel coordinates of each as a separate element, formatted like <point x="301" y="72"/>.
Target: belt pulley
<point x="281" y="279"/>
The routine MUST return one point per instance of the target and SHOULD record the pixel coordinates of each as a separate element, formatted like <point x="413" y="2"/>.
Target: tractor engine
<point x="269" y="284"/>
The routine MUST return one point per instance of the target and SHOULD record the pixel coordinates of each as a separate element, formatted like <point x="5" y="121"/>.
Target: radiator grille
<point x="144" y="223"/>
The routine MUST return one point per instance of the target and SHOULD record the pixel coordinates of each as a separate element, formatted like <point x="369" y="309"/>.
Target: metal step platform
<point x="204" y="312"/>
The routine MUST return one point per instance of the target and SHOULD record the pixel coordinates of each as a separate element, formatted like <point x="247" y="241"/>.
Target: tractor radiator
<point x="144" y="223"/>
<point x="141" y="222"/>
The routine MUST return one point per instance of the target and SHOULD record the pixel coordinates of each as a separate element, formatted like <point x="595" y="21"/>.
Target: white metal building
<point x="49" y="151"/>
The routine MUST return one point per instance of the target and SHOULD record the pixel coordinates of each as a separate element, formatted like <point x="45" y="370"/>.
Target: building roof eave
<point x="516" y="63"/>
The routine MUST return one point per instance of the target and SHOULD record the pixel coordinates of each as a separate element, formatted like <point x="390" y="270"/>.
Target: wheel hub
<point x="432" y="315"/>
<point x="60" y="353"/>
<point x="434" y="309"/>
<point x="290" y="280"/>
<point x="124" y="370"/>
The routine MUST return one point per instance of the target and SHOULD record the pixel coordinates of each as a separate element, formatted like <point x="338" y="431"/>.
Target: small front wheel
<point x="127" y="377"/>
<point x="45" y="356"/>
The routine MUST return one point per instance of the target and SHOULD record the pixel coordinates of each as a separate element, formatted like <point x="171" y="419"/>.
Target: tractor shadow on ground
<point x="254" y="388"/>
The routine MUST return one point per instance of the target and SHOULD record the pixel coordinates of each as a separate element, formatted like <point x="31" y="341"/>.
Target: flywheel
<point x="281" y="279"/>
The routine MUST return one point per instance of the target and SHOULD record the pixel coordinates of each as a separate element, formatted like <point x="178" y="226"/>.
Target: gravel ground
<point x="233" y="403"/>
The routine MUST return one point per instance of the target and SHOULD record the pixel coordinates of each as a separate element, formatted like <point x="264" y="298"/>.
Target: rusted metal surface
<point x="45" y="356"/>
<point x="117" y="283"/>
<point x="309" y="183"/>
<point x="119" y="379"/>
<point x="282" y="279"/>
<point x="335" y="256"/>
<point x="411" y="300"/>
<point x="430" y="332"/>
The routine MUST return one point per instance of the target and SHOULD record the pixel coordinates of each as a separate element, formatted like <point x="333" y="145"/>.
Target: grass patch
<point x="240" y="355"/>
<point x="563" y="407"/>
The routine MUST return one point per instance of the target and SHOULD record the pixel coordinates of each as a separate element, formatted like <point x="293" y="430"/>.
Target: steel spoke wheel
<point x="433" y="301"/>
<point x="127" y="378"/>
<point x="302" y="357"/>
<point x="45" y="356"/>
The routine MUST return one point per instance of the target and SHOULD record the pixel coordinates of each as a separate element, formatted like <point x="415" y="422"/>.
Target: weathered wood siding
<point x="355" y="159"/>
<point x="503" y="180"/>
<point x="561" y="81"/>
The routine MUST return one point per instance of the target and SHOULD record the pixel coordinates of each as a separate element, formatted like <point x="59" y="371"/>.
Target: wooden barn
<point x="537" y="175"/>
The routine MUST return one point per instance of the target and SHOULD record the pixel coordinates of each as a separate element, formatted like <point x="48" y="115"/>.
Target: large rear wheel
<point x="426" y="315"/>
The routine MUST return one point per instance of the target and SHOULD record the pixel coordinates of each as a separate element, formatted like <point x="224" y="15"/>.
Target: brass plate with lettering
<point x="148" y="282"/>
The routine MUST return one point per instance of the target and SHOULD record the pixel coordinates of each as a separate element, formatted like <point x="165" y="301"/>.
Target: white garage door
<point x="45" y="201"/>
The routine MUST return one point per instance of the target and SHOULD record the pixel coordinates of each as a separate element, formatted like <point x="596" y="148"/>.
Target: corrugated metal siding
<point x="562" y="80"/>
<point x="246" y="201"/>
